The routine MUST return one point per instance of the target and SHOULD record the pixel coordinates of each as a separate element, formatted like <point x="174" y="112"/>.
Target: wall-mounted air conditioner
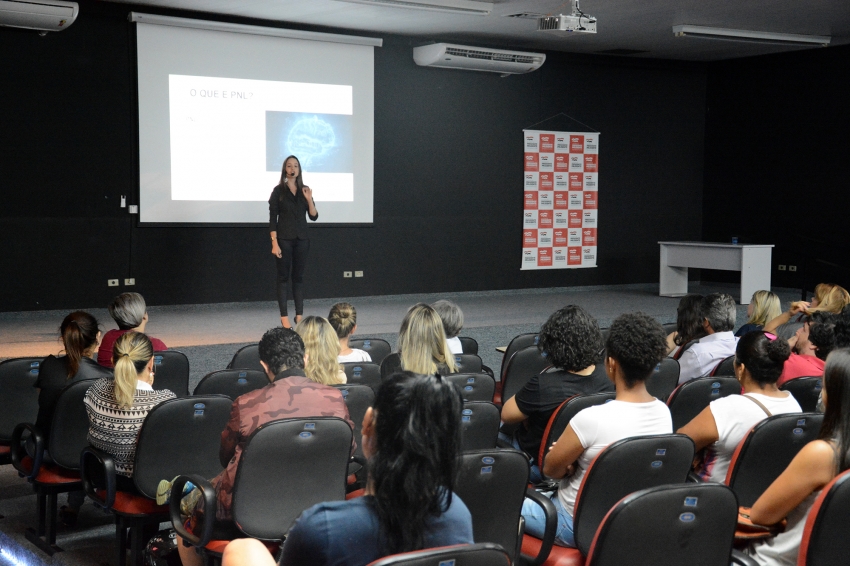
<point x="41" y="15"/>
<point x="449" y="56"/>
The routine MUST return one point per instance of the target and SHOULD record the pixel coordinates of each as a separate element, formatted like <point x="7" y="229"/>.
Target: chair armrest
<point x="693" y="478"/>
<point x="548" y="532"/>
<point x="19" y="452"/>
<point x="210" y="506"/>
<point x="97" y="470"/>
<point x="738" y="558"/>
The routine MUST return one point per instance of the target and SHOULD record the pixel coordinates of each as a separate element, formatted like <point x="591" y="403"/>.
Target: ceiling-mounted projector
<point x="577" y="21"/>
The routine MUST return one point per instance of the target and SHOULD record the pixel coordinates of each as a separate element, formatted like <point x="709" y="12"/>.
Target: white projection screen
<point x="220" y="109"/>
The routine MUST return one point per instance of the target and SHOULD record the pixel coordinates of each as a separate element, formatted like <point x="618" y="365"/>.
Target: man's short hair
<point x="822" y="332"/>
<point x="720" y="310"/>
<point x="281" y="349"/>
<point x="638" y="343"/>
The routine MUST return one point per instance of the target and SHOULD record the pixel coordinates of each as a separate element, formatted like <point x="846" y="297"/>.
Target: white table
<point x="753" y="261"/>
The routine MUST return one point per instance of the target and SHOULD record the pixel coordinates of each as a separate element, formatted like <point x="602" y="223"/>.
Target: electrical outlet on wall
<point x="792" y="268"/>
<point x="781" y="267"/>
<point x="112" y="282"/>
<point x="346" y="274"/>
<point x="358" y="274"/>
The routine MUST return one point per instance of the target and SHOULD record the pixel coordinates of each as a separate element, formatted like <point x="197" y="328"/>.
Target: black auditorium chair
<point x="390" y="365"/>
<point x="622" y="468"/>
<point x="469" y="345"/>
<point x="481" y="554"/>
<point x="664" y="379"/>
<point x="767" y="450"/>
<point x="826" y="536"/>
<point x="363" y="373"/>
<point x="286" y="467"/>
<point x="806" y="390"/>
<point x="468" y="363"/>
<point x="726" y="367"/>
<point x="178" y="436"/>
<point x="247" y="357"/>
<point x="377" y="348"/>
<point x="473" y="386"/>
<point x="523" y="365"/>
<point x="358" y="398"/>
<point x="681" y="349"/>
<point x="171" y="371"/>
<point x="231" y="382"/>
<point x="18" y="399"/>
<point x="516" y="344"/>
<point x="53" y="467"/>
<point x="561" y="417"/>
<point x="479" y="425"/>
<point x="690" y="398"/>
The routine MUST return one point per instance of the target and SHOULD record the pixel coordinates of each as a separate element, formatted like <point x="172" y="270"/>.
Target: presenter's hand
<point x="308" y="193"/>
<point x="276" y="250"/>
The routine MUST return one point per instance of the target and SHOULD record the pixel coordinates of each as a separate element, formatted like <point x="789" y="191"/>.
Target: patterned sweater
<point x="115" y="430"/>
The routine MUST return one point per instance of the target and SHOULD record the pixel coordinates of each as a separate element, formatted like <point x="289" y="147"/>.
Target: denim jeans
<point x="534" y="473"/>
<point x="535" y="521"/>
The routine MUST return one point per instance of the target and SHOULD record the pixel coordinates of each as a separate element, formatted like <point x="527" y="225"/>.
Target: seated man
<point x="810" y="346"/>
<point x="719" y="314"/>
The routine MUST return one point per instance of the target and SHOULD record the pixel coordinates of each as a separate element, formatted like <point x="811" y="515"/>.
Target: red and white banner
<point x="561" y="204"/>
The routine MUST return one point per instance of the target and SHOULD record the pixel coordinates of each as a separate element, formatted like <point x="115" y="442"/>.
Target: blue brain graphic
<point x="310" y="139"/>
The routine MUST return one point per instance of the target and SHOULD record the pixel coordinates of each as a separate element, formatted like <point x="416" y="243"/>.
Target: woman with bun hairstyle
<point x="763" y="307"/>
<point x="720" y="427"/>
<point x="343" y="319"/>
<point x="321" y="351"/>
<point x="118" y="407"/>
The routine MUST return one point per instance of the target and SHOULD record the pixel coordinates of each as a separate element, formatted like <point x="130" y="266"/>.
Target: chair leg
<point x="44" y="537"/>
<point x="121" y="535"/>
<point x="42" y="506"/>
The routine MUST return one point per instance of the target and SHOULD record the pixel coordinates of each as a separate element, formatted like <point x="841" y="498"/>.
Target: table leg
<point x="673" y="281"/>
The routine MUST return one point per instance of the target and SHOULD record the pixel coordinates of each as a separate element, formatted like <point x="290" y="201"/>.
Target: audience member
<point x="718" y="319"/>
<point x="130" y="313"/>
<point x="452" y="318"/>
<point x="422" y="346"/>
<point x="688" y="325"/>
<point x="793" y="493"/>
<point x="763" y="307"/>
<point x="811" y="344"/>
<point x="321" y="349"/>
<point x="635" y="345"/>
<point x="759" y="359"/>
<point x="343" y="319"/>
<point x="573" y="344"/>
<point x="828" y="297"/>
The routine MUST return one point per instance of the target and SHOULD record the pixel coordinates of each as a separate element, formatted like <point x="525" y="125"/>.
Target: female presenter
<point x="289" y="203"/>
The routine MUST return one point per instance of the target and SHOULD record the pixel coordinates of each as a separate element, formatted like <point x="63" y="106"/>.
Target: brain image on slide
<point x="310" y="139"/>
<point x="322" y="142"/>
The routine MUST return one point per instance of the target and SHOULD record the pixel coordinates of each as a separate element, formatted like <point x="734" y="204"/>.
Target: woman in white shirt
<point x="452" y="318"/>
<point x="343" y="319"/>
<point x="720" y="427"/>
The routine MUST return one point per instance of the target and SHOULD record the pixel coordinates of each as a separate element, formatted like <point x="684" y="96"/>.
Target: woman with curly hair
<point x="321" y="347"/>
<point x="572" y="342"/>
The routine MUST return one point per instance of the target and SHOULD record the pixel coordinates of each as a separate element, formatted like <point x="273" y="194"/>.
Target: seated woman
<point x="422" y="346"/>
<point x="343" y="319"/>
<point x="573" y="343"/>
<point x="80" y="336"/>
<point x="763" y="307"/>
<point x="688" y="325"/>
<point x="321" y="347"/>
<point x="409" y="504"/>
<point x="130" y="313"/>
<point x="635" y="346"/>
<point x="828" y="298"/>
<point x="118" y="407"/>
<point x="452" y="318"/>
<point x="793" y="493"/>
<point x="720" y="427"/>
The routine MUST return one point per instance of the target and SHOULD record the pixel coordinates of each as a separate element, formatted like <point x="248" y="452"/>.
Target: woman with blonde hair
<point x="343" y="319"/>
<point x="422" y="346"/>
<point x="763" y="307"/>
<point x="118" y="407"/>
<point x="829" y="298"/>
<point x="321" y="346"/>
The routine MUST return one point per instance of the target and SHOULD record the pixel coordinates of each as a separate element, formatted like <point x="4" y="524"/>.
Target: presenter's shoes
<point x="284" y="321"/>
<point x="298" y="318"/>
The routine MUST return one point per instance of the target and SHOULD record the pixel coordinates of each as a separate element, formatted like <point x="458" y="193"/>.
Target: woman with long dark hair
<point x="289" y="204"/>
<point x="688" y="325"/>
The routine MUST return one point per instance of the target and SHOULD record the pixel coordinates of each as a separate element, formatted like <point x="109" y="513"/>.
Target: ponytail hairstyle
<point x="79" y="335"/>
<point x="762" y="356"/>
<point x="322" y="348"/>
<point x="422" y="341"/>
<point x="836" y="419"/>
<point x="298" y="181"/>
<point x="343" y="318"/>
<point x="130" y="354"/>
<point x="412" y="473"/>
<point x="766" y="307"/>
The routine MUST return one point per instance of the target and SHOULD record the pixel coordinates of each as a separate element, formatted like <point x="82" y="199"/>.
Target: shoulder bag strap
<point x="759" y="403"/>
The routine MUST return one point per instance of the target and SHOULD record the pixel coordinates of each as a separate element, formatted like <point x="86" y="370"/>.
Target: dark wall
<point x="776" y="155"/>
<point x="448" y="177"/>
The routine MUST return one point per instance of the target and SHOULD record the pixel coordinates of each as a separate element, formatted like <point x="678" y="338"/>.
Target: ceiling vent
<point x="449" y="56"/>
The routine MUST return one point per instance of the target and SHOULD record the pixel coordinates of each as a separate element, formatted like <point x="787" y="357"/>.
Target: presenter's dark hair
<point x="638" y="343"/>
<point x="79" y="335"/>
<point x="298" y="181"/>
<point x="763" y="357"/>
<point x="571" y="339"/>
<point x="417" y="435"/>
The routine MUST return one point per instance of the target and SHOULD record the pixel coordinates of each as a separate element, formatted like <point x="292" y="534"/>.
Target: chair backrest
<point x="180" y="437"/>
<point x="247" y="357"/>
<point x="669" y="524"/>
<point x="726" y="367"/>
<point x="523" y="365"/>
<point x="664" y="379"/>
<point x="358" y="398"/>
<point x="172" y="372"/>
<point x="473" y="386"/>
<point x="622" y="468"/>
<point x="767" y="450"/>
<point x="377" y="348"/>
<point x="690" y="398"/>
<point x="231" y="382"/>
<point x="492" y="484"/>
<point x="562" y="416"/>
<point x="469" y="345"/>
<point x="826" y="536"/>
<point x="517" y="343"/>
<point x="286" y="467"/>
<point x="18" y="396"/>
<point x="681" y="349"/>
<point x="70" y="429"/>
<point x="468" y="363"/>
<point x="806" y="390"/>
<point x="363" y="373"/>
<point x="481" y="554"/>
<point x="479" y="425"/>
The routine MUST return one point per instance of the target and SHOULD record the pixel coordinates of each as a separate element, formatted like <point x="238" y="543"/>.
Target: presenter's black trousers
<point x="292" y="260"/>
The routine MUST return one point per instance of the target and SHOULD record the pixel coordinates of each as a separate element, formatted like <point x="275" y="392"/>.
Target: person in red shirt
<point x="810" y="346"/>
<point x="130" y="314"/>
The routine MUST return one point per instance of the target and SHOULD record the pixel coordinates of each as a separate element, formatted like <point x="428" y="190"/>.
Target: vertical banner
<point x="561" y="204"/>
